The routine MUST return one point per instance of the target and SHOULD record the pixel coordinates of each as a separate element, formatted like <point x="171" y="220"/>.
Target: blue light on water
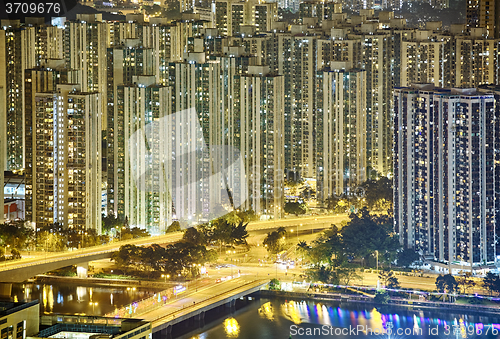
<point x="60" y="298"/>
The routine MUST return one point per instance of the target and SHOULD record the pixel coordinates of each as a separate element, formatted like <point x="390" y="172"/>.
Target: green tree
<point x="275" y="285"/>
<point x="365" y="234"/>
<point x="491" y="282"/>
<point x="295" y="208"/>
<point x="126" y="255"/>
<point x="192" y="235"/>
<point x="239" y="234"/>
<point x="248" y="216"/>
<point x="134" y="233"/>
<point x="325" y="274"/>
<point x="303" y="249"/>
<point x="347" y="274"/>
<point x="378" y="193"/>
<point x="174" y="227"/>
<point x="275" y="241"/>
<point x="388" y="278"/>
<point x="52" y="238"/>
<point x="16" y="234"/>
<point x="91" y="238"/>
<point x="233" y="218"/>
<point x="15" y="254"/>
<point x="407" y="256"/>
<point x="307" y="193"/>
<point x="446" y="283"/>
<point x="152" y="256"/>
<point x="184" y="258"/>
<point x="110" y="222"/>
<point x="293" y="181"/>
<point x="393" y="283"/>
<point x="381" y="297"/>
<point x="465" y="281"/>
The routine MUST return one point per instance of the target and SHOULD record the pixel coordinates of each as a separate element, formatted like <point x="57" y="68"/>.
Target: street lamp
<point x="165" y="276"/>
<point x="121" y="231"/>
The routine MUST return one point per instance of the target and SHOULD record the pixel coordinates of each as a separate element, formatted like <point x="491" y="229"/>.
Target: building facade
<point x="68" y="165"/>
<point x="144" y="162"/>
<point x="340" y="130"/>
<point x="444" y="177"/>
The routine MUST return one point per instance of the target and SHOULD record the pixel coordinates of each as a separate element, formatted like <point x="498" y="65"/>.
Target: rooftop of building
<point x="462" y="91"/>
<point x="8" y="307"/>
<point x="83" y="327"/>
<point x="13" y="177"/>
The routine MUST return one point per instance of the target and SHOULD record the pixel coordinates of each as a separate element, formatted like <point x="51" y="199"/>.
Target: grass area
<point x="115" y="276"/>
<point x="476" y="301"/>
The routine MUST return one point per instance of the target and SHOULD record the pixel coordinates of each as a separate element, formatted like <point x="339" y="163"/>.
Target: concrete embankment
<point x="47" y="279"/>
<point x="412" y="304"/>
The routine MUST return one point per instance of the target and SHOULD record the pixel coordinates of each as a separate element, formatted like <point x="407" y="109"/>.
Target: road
<point x="197" y="299"/>
<point x="304" y="223"/>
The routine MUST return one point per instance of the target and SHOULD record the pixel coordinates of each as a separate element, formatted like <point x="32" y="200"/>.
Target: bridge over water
<point x="188" y="309"/>
<point x="23" y="269"/>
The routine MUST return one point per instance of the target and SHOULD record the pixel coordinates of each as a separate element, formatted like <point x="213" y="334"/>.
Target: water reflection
<point x="266" y="311"/>
<point x="232" y="328"/>
<point x="274" y="318"/>
<point x="74" y="299"/>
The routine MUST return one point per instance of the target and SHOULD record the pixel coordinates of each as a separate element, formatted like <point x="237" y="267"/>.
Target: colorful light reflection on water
<point x="66" y="298"/>
<point x="273" y="318"/>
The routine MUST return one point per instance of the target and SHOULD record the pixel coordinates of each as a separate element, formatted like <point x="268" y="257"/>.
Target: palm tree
<point x="303" y="248"/>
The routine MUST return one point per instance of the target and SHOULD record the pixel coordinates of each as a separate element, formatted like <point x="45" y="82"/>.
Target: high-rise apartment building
<point x="85" y="45"/>
<point x="427" y="58"/>
<point x="146" y="201"/>
<point x="67" y="167"/>
<point x="120" y="31"/>
<point x="260" y="106"/>
<point x="265" y="15"/>
<point x="340" y="130"/>
<point x="123" y="63"/>
<point x="330" y="9"/>
<point x="230" y="15"/>
<point x="39" y="176"/>
<point x="444" y="177"/>
<point x="166" y="44"/>
<point x="477" y="59"/>
<point x="17" y="53"/>
<point x="311" y="9"/>
<point x="223" y="17"/>
<point x="484" y="14"/>
<point x="298" y="65"/>
<point x="196" y="85"/>
<point x="378" y="62"/>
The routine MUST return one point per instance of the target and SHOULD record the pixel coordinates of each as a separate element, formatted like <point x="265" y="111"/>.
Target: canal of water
<point x="279" y="318"/>
<point x="63" y="298"/>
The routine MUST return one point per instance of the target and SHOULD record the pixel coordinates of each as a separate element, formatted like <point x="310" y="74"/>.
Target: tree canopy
<point x="407" y="256"/>
<point x="181" y="258"/>
<point x="491" y="282"/>
<point x="366" y="233"/>
<point x="446" y="284"/>
<point x="275" y="241"/>
<point x="295" y="207"/>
